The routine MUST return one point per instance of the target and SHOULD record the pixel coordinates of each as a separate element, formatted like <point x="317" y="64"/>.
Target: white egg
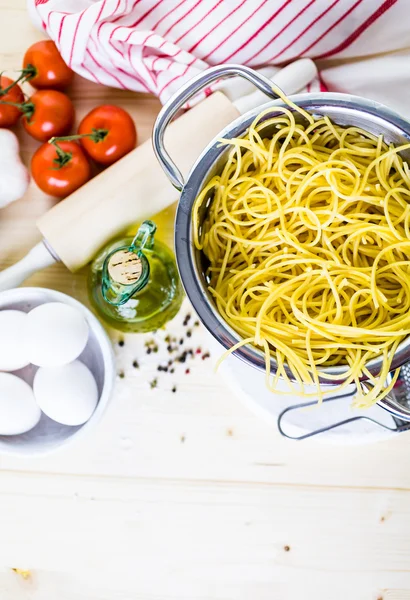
<point x="13" y="354"/>
<point x="19" y="411"/>
<point x="66" y="394"/>
<point x="56" y="334"/>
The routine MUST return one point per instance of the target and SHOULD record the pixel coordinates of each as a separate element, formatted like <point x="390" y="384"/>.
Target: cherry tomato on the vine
<point x="60" y="169"/>
<point x="112" y="133"/>
<point x="44" y="67"/>
<point x="9" y="115"/>
<point x="47" y="114"/>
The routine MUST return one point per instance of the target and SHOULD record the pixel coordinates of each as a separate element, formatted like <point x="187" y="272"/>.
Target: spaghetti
<point x="308" y="241"/>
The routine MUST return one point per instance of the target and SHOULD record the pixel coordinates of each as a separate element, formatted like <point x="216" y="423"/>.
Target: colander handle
<point x="185" y="93"/>
<point x="390" y="404"/>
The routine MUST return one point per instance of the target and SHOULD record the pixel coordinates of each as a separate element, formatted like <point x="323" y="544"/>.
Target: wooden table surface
<point x="188" y="495"/>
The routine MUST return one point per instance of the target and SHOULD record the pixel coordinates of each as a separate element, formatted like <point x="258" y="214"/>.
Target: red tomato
<point x="48" y="114"/>
<point x="60" y="172"/>
<point x="112" y="133"/>
<point x="9" y="115"/>
<point x="44" y="67"/>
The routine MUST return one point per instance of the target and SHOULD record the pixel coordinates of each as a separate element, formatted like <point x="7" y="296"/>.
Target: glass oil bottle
<point x="134" y="283"/>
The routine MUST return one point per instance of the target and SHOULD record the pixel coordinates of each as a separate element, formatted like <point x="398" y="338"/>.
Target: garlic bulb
<point x="14" y="178"/>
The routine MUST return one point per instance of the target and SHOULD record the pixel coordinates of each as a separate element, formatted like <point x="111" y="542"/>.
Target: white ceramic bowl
<point x="98" y="355"/>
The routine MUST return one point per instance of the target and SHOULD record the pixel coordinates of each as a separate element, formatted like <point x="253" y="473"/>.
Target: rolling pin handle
<point x="185" y="93"/>
<point x="38" y="258"/>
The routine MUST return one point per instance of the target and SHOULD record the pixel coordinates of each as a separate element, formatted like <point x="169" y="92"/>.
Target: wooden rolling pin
<point x="132" y="189"/>
<point x="136" y="187"/>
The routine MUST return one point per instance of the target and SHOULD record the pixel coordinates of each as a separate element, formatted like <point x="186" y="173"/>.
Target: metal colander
<point x="343" y="109"/>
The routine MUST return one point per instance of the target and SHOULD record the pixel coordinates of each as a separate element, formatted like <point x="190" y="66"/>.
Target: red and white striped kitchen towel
<point x="155" y="45"/>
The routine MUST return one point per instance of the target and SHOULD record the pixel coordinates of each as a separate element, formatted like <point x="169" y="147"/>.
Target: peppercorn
<point x="182" y="358"/>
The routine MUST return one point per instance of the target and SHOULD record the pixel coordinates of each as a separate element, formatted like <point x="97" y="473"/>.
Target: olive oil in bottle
<point x="134" y="283"/>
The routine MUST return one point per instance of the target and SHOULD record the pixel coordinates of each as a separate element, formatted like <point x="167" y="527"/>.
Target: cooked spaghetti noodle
<point x="308" y="241"/>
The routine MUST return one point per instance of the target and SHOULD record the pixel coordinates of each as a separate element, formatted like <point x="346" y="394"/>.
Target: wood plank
<point x="174" y="539"/>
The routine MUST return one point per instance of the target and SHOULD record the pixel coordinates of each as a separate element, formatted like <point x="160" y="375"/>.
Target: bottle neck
<point x="126" y="270"/>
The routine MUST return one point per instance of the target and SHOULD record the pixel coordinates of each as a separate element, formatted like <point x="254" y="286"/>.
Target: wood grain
<point x="187" y="495"/>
